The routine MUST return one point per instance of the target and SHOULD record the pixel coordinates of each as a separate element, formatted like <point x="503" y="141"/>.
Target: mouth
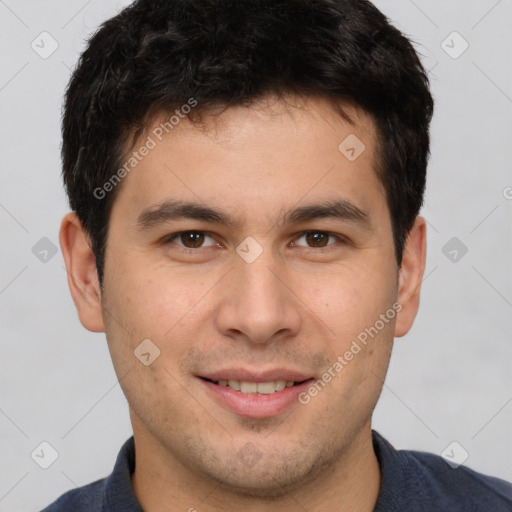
<point x="256" y="388"/>
<point x="255" y="395"/>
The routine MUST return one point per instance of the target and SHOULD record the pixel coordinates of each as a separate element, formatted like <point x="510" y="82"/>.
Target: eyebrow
<point x="169" y="210"/>
<point x="174" y="210"/>
<point x="340" y="209"/>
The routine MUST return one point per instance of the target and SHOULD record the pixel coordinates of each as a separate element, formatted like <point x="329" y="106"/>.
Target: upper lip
<point x="246" y="375"/>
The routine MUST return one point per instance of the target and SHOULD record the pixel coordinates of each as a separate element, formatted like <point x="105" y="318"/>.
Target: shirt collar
<point x="119" y="495"/>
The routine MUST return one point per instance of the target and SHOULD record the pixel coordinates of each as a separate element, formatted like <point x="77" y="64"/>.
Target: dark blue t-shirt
<point x="410" y="482"/>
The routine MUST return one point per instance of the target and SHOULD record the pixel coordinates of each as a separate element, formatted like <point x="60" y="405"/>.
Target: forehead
<point x="266" y="156"/>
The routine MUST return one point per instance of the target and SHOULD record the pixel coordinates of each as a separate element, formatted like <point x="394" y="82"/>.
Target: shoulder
<point x="113" y="494"/>
<point x="424" y="481"/>
<point x="461" y="486"/>
<point x="84" y="499"/>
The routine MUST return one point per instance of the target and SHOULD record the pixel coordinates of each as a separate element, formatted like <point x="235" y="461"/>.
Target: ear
<point x="410" y="276"/>
<point x="82" y="276"/>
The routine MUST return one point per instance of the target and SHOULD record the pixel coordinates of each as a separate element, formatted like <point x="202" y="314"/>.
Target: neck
<point x="161" y="482"/>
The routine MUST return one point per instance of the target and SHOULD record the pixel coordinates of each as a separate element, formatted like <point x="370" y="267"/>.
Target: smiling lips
<point x="251" y="382"/>
<point x="253" y="388"/>
<point x="256" y="395"/>
<point x="247" y="382"/>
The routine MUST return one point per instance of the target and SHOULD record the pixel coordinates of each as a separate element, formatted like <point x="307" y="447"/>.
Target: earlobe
<point x="410" y="276"/>
<point x="82" y="275"/>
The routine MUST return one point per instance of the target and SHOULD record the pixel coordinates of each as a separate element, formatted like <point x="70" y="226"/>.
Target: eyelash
<point x="171" y="239"/>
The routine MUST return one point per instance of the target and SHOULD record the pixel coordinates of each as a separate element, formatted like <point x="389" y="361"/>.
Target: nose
<point x="258" y="304"/>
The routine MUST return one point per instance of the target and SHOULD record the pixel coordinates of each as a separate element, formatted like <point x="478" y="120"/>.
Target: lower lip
<point x="256" y="406"/>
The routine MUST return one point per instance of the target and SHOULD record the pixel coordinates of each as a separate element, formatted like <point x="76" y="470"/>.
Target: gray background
<point x="450" y="378"/>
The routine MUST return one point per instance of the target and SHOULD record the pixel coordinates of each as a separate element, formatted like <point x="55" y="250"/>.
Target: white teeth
<point x="234" y="384"/>
<point x="266" y="388"/>
<point x="248" y="387"/>
<point x="252" y="388"/>
<point x="280" y="385"/>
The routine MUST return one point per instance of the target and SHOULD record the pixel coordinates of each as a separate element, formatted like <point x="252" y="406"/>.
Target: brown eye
<point x="317" y="238"/>
<point x="192" y="239"/>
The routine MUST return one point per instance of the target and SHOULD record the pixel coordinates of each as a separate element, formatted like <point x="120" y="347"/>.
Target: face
<point x="252" y="250"/>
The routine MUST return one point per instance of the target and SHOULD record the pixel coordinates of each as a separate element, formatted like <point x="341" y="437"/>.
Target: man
<point x="245" y="180"/>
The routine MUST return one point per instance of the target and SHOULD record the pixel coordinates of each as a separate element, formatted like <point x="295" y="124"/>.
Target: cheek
<point x="156" y="301"/>
<point x="348" y="300"/>
<point x="155" y="306"/>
